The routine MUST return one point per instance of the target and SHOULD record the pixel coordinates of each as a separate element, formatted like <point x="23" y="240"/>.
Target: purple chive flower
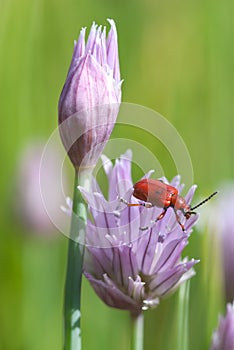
<point x="89" y="102"/>
<point x="130" y="268"/>
<point x="28" y="201"/>
<point x="223" y="337"/>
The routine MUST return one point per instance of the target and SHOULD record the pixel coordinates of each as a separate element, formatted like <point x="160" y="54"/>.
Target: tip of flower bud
<point x="127" y="155"/>
<point x="82" y="32"/>
<point x="111" y="21"/>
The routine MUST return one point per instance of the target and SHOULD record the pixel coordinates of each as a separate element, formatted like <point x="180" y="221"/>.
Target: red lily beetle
<point x="156" y="193"/>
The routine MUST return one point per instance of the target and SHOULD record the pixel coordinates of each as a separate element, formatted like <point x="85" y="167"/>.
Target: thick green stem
<point x="138" y="332"/>
<point x="72" y="301"/>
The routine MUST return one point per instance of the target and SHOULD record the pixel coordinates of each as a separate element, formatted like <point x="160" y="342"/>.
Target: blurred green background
<point x="176" y="57"/>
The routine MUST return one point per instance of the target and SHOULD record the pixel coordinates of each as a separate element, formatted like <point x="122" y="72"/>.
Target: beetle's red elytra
<point x="156" y="193"/>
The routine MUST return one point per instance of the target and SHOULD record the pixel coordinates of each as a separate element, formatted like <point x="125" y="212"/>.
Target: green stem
<point x="138" y="332"/>
<point x="72" y="301"/>
<point x="183" y="317"/>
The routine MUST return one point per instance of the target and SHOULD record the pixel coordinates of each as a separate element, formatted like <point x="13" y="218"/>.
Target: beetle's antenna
<point x="204" y="201"/>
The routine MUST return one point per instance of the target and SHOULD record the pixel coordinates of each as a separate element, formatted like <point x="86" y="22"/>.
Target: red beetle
<point x="156" y="193"/>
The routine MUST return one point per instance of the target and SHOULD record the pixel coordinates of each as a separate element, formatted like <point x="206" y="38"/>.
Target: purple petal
<point x="92" y="264"/>
<point x="98" y="237"/>
<point x="124" y="265"/>
<point x="163" y="282"/>
<point x="79" y="49"/>
<point x="130" y="220"/>
<point x="120" y="177"/>
<point x="190" y="194"/>
<point x="103" y="47"/>
<point x="145" y="248"/>
<point x="170" y="254"/>
<point x="190" y="223"/>
<point x="112" y="295"/>
<point x="175" y="182"/>
<point x="96" y="52"/>
<point x="223" y="338"/>
<point x="91" y="38"/>
<point x="107" y="165"/>
<point x="102" y="256"/>
<point x="112" y="51"/>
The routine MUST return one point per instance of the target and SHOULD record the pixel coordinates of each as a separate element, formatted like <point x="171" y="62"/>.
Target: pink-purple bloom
<point x="91" y="95"/>
<point x="218" y="218"/>
<point x="29" y="204"/>
<point x="223" y="337"/>
<point x="130" y="268"/>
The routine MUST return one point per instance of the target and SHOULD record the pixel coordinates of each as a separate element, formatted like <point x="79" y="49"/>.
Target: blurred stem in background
<point x="72" y="302"/>
<point x="213" y="297"/>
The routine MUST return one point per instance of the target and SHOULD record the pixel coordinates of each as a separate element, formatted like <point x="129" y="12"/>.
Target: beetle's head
<point x="189" y="211"/>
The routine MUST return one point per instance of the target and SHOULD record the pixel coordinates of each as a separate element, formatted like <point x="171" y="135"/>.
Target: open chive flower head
<point x="89" y="102"/>
<point x="130" y="268"/>
<point x="223" y="337"/>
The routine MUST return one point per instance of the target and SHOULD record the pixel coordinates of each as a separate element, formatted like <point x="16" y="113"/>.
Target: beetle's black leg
<point x="158" y="218"/>
<point x="178" y="220"/>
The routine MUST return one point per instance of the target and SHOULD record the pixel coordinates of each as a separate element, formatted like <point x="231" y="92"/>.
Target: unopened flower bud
<point x="89" y="102"/>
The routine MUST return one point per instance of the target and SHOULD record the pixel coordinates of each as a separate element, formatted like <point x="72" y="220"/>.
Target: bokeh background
<point x="176" y="57"/>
